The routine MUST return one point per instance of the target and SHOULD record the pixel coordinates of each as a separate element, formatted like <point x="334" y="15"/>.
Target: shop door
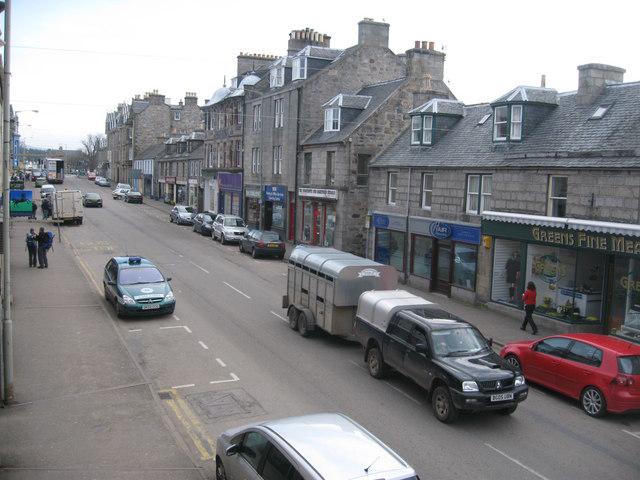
<point x="442" y="265"/>
<point x="318" y="220"/>
<point x="268" y="215"/>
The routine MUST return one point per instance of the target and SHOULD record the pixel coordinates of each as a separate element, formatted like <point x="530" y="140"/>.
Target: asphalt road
<point x="227" y="357"/>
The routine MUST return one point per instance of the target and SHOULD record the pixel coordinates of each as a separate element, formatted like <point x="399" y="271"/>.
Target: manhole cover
<point x="164" y="395"/>
<point x="211" y="406"/>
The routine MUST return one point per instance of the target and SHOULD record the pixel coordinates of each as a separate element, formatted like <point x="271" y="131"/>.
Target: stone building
<point x="286" y="107"/>
<point x="134" y="127"/>
<point x="333" y="179"/>
<point x="476" y="201"/>
<point x="224" y="128"/>
<point x="179" y="170"/>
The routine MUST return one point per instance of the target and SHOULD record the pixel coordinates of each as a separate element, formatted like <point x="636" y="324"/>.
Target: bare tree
<point x="90" y="146"/>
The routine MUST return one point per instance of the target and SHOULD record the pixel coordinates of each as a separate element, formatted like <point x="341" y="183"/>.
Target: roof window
<point x="600" y="112"/>
<point x="484" y="119"/>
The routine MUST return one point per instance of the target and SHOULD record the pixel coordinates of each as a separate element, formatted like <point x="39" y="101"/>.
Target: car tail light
<point x="261" y="244"/>
<point x="622" y="380"/>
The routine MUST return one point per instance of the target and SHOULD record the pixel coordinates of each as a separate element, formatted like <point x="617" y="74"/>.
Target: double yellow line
<point x="198" y="434"/>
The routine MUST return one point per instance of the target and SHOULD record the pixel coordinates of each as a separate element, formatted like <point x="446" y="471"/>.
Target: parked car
<point x="47" y="190"/>
<point x="133" y="197"/>
<point x="91" y="176"/>
<point x="182" y="215"/>
<point x="36" y="174"/>
<point x="97" y="180"/>
<point x="447" y="356"/>
<point x="310" y="447"/>
<point x="126" y="186"/>
<point x="103" y="182"/>
<point x="40" y="181"/>
<point x="228" y="228"/>
<point x="203" y="223"/>
<point x="262" y="243"/>
<point x="135" y="286"/>
<point x="91" y="199"/>
<point x="119" y="193"/>
<point x="601" y="371"/>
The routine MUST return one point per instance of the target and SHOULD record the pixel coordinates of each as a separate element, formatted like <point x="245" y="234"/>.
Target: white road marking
<point x="234" y="288"/>
<point x="176" y="317"/>
<point x="633" y="434"/>
<point x="528" y="469"/>
<point x="280" y="317"/>
<point x="284" y="274"/>
<point x="222" y="364"/>
<point x="135" y="330"/>
<point x="234" y="378"/>
<point x="357" y="365"/>
<point x="187" y="329"/>
<point x="198" y="266"/>
<point x="203" y="345"/>
<point x="405" y="394"/>
<point x="185" y="386"/>
<point x="180" y="255"/>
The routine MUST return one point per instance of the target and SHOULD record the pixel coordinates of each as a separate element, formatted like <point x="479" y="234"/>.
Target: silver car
<point x="228" y="228"/>
<point x="312" y="447"/>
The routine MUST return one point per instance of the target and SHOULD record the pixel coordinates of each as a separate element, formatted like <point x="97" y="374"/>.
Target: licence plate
<point x="500" y="397"/>
<point x="155" y="306"/>
<point x="272" y="245"/>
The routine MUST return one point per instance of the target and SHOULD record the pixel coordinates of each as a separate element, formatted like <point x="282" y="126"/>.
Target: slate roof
<point x="345" y="100"/>
<point x="323" y="53"/>
<point x="524" y="94"/>
<point x="377" y="94"/>
<point x="138" y="106"/>
<point x="151" y="152"/>
<point x="440" y="105"/>
<point x="566" y="137"/>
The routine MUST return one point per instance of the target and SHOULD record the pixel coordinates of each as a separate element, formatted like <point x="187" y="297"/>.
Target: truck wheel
<point x="293" y="318"/>
<point x="303" y="325"/>
<point x="79" y="221"/>
<point x="375" y="363"/>
<point x="443" y="407"/>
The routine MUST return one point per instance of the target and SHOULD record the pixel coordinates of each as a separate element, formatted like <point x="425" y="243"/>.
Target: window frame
<point x="176" y="116"/>
<point x="392" y="189"/>
<point x="512" y="123"/>
<point x="425" y="130"/>
<point x="496" y="123"/>
<point x="331" y="120"/>
<point x="255" y="160"/>
<point x="276" y="77"/>
<point x="359" y="174"/>
<point x="330" y="177"/>
<point x="481" y="195"/>
<point x="257" y="117"/>
<point x="307" y="167"/>
<point x="278" y="117"/>
<point x="416" y="130"/>
<point x="299" y="68"/>
<point x="277" y="160"/>
<point x="551" y="199"/>
<point x="424" y="190"/>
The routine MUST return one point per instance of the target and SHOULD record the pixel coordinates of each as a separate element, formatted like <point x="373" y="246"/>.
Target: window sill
<point x="426" y="208"/>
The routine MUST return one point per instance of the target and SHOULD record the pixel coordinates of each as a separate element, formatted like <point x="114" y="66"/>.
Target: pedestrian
<point x="34" y="208"/>
<point x="44" y="243"/>
<point x="32" y="248"/>
<point x="529" y="299"/>
<point x="46" y="208"/>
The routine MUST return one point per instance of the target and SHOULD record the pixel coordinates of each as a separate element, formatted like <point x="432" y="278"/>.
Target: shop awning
<point x="627" y="229"/>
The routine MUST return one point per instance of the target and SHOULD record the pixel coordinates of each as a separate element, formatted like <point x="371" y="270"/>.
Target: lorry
<point x="440" y="352"/>
<point x="323" y="287"/>
<point x="54" y="168"/>
<point x="67" y="207"/>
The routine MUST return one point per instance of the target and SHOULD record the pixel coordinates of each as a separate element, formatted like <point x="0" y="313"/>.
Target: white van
<point x="47" y="190"/>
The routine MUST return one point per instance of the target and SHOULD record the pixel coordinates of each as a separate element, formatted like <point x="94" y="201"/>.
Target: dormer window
<point x="516" y="122"/>
<point x="332" y="120"/>
<point x="176" y="115"/>
<point x="299" y="68"/>
<point x="421" y="129"/>
<point x="276" y="77"/>
<point x="507" y="123"/>
<point x="500" y="121"/>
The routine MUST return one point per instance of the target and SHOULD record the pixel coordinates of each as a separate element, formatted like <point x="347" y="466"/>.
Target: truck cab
<point x="442" y="353"/>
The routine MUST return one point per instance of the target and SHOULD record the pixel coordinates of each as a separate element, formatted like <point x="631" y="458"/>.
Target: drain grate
<point x="164" y="395"/>
<point x="211" y="406"/>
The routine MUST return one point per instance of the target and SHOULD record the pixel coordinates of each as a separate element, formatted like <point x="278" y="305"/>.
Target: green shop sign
<point x="563" y="237"/>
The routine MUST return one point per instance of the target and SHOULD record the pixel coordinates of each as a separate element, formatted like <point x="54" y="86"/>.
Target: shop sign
<point x="230" y="181"/>
<point x="170" y="180"/>
<point x="275" y="193"/>
<point x="252" y="193"/>
<point x="318" y="193"/>
<point x="564" y="237"/>
<point x="193" y="181"/>
<point x="391" y="222"/>
<point x="445" y="230"/>
<point x="440" y="230"/>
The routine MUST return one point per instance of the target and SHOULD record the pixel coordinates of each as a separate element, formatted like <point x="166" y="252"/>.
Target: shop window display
<point x="422" y="252"/>
<point x="507" y="272"/>
<point x="465" y="261"/>
<point x="277" y="216"/>
<point x="625" y="306"/>
<point x="307" y="222"/>
<point x="330" y="226"/>
<point x="390" y="248"/>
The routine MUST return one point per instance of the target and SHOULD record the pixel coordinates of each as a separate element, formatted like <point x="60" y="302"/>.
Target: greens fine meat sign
<point x="581" y="239"/>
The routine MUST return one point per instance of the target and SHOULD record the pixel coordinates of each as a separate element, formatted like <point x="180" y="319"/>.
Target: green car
<point x="40" y="181"/>
<point x="136" y="287"/>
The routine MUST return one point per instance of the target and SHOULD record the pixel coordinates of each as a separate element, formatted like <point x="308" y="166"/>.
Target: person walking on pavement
<point x="34" y="209"/>
<point x="529" y="299"/>
<point x="43" y="241"/>
<point x="32" y="248"/>
<point x="46" y="205"/>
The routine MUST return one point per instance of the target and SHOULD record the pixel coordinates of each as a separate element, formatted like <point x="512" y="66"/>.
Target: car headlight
<point x="128" y="299"/>
<point x="469" y="386"/>
<point x="519" y="381"/>
<point x="169" y="296"/>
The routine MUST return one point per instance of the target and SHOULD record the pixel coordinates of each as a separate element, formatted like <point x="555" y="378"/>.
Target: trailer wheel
<point x="377" y="367"/>
<point x="303" y="325"/>
<point x="293" y="317"/>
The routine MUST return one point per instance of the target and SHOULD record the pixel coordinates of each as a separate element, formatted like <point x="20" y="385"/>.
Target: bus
<point x="55" y="170"/>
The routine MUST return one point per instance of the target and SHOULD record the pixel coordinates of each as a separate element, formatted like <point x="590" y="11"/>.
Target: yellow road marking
<point x="204" y="454"/>
<point x="195" y="421"/>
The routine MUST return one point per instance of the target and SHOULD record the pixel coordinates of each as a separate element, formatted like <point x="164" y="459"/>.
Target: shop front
<point x="182" y="190"/>
<point x="193" y="192"/>
<point x="230" y="193"/>
<point x="319" y="218"/>
<point x="442" y="256"/>
<point x="587" y="274"/>
<point x="169" y="189"/>
<point x="147" y="185"/>
<point x="275" y="203"/>
<point x="136" y="180"/>
<point x="252" y="200"/>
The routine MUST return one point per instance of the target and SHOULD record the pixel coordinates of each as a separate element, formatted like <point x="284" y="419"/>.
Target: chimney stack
<point x="298" y="39"/>
<point x="249" y="62"/>
<point x="422" y="62"/>
<point x="375" y="34"/>
<point x="155" y="98"/>
<point x="190" y="98"/>
<point x="593" y="78"/>
<point x="543" y="81"/>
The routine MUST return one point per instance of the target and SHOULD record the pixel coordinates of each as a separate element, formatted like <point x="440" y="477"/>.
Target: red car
<point x="603" y="372"/>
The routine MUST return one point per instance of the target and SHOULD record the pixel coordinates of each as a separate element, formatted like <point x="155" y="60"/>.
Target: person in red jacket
<point x="529" y="299"/>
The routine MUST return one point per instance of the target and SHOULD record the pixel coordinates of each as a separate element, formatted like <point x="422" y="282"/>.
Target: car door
<point x="216" y="226"/>
<point x="545" y="360"/>
<point x="111" y="276"/>
<point x="277" y="466"/>
<point x="396" y="341"/>
<point x="579" y="367"/>
<point x="416" y="360"/>
<point x="248" y="461"/>
<point x="197" y="222"/>
<point x="250" y="240"/>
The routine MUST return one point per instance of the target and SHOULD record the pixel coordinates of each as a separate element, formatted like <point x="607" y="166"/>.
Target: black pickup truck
<point x="445" y="355"/>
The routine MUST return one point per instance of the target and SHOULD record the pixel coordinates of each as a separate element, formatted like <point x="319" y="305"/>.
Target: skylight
<point x="600" y="112"/>
<point x="484" y="119"/>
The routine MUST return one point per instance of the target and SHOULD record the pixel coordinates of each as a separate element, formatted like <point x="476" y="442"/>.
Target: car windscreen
<point x="132" y="276"/>
<point x="207" y="218"/>
<point x="270" y="237"/>
<point x="629" y="364"/>
<point x="233" y="222"/>
<point x="434" y="313"/>
<point x="93" y="196"/>
<point x="182" y="209"/>
<point x="457" y="342"/>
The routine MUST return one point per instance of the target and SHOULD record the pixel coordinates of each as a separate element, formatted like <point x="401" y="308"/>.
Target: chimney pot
<point x="431" y="46"/>
<point x="425" y="45"/>
<point x="417" y="44"/>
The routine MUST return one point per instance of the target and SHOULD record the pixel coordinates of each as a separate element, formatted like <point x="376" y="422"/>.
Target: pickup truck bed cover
<point x="377" y="307"/>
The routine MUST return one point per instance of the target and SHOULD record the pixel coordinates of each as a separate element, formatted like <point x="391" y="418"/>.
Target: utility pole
<point x="7" y="324"/>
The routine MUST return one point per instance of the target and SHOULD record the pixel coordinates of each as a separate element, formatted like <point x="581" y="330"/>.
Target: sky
<point x="75" y="60"/>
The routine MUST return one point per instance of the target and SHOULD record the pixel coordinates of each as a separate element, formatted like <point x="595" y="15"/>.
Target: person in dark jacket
<point x="42" y="239"/>
<point x="529" y="300"/>
<point x="32" y="248"/>
<point x="34" y="208"/>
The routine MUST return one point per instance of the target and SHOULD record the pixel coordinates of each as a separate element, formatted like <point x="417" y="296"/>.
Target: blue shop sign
<point x="275" y="193"/>
<point x="440" y="230"/>
<point x="380" y="221"/>
<point x="465" y="233"/>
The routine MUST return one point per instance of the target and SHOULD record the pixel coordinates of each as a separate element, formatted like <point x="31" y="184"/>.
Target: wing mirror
<point x="490" y="342"/>
<point x="422" y="348"/>
<point x="112" y="283"/>
<point x="168" y="279"/>
<point x="232" y="450"/>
